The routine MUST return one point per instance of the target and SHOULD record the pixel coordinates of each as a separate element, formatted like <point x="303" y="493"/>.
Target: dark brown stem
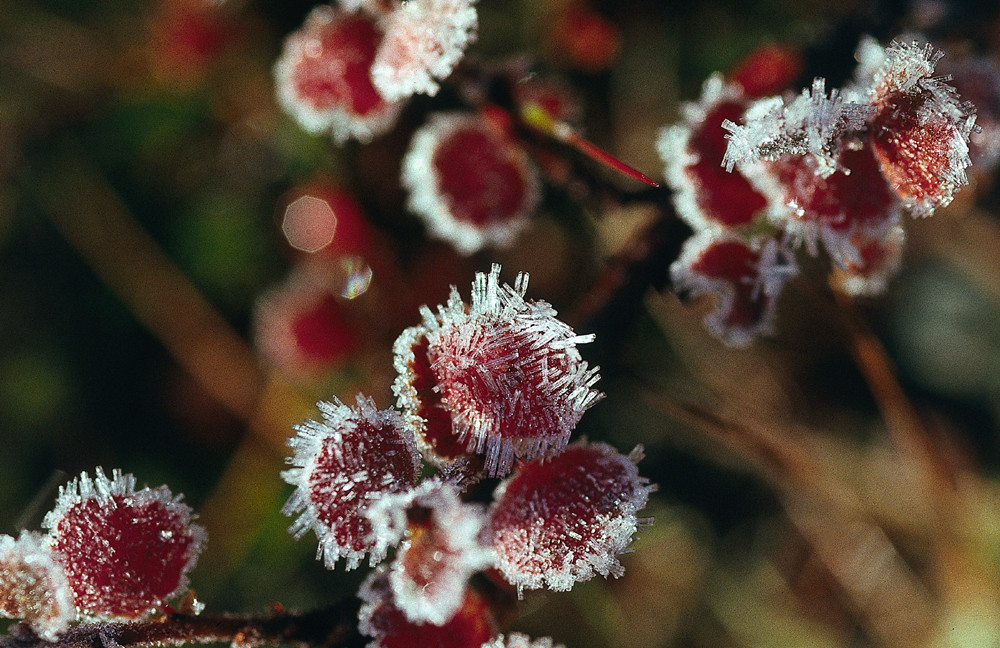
<point x="331" y="627"/>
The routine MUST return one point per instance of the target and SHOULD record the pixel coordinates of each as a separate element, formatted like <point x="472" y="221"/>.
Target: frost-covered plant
<point x="834" y="169"/>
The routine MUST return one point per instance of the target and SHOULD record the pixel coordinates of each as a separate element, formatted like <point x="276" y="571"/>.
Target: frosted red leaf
<point x="920" y="130"/>
<point x="300" y="327"/>
<point x="424" y="40"/>
<point x="561" y="520"/>
<point x="505" y="371"/>
<point x="518" y="640"/>
<point x="705" y="195"/>
<point x="33" y="585"/>
<point x="441" y="548"/>
<point x="471" y="185"/>
<point x="876" y="259"/>
<point x="125" y="552"/>
<point x="342" y="464"/>
<point x="744" y="278"/>
<point x="472" y="624"/>
<point x="323" y="76"/>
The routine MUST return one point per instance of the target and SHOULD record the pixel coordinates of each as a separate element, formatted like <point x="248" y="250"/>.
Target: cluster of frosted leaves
<point x="561" y="520"/>
<point x="124" y="551"/>
<point x="424" y="40"/>
<point x="518" y="640"/>
<point x="323" y="76"/>
<point x="341" y="465"/>
<point x="33" y="585"/>
<point x="705" y="196"/>
<point x="442" y="547"/>
<point x="501" y="376"/>
<point x="472" y="624"/>
<point x="469" y="182"/>
<point x="744" y="276"/>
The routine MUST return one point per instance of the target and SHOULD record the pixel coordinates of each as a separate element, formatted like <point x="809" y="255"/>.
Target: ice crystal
<point x="561" y="520"/>
<point x="692" y="151"/>
<point x="745" y="279"/>
<point x="470" y="184"/>
<point x="33" y="585"/>
<point x="424" y="40"/>
<point x="442" y="548"/>
<point x="323" y="76"/>
<point x="380" y="618"/>
<point x="124" y="551"/>
<point x="504" y="374"/>
<point x="920" y="130"/>
<point x="342" y="464"/>
<point x="518" y="640"/>
<point x="810" y="124"/>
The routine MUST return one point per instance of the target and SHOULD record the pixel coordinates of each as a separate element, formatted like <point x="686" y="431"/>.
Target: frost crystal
<point x="692" y="151"/>
<point x="505" y="374"/>
<point x="124" y="551"/>
<point x="441" y="550"/>
<point x="811" y="124"/>
<point x="745" y="279"/>
<point x="518" y="640"/>
<point x="323" y="76"/>
<point x="561" y="520"/>
<point x="470" y="185"/>
<point x="920" y="130"/>
<point x="342" y="464"/>
<point x="380" y="618"/>
<point x="424" y="40"/>
<point x="33" y="585"/>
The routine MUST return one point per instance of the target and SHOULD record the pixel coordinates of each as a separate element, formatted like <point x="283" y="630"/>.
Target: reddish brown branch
<point x="331" y="627"/>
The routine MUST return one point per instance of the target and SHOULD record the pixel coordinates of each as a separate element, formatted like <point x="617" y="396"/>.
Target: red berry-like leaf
<point x="423" y="42"/>
<point x="471" y="625"/>
<point x="471" y="185"/>
<point x="561" y="520"/>
<point x="124" y="551"/>
<point x="745" y="279"/>
<point x="33" y="585"/>
<point x="920" y="130"/>
<point x="340" y="466"/>
<point x="323" y="76"/>
<point x="705" y="195"/>
<point x="767" y="70"/>
<point x="506" y="370"/>
<point x="876" y="259"/>
<point x="441" y="550"/>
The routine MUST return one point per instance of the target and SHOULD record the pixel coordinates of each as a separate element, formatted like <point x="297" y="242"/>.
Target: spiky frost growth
<point x="811" y="124"/>
<point x="505" y="374"/>
<point x="518" y="640"/>
<point x="562" y="520"/>
<point x="342" y="464"/>
<point x="471" y="185"/>
<point x="33" y="585"/>
<point x="472" y="624"/>
<point x="441" y="550"/>
<point x="920" y="129"/>
<point x="424" y="40"/>
<point x="124" y="551"/>
<point x="323" y="76"/>
<point x="745" y="278"/>
<point x="705" y="196"/>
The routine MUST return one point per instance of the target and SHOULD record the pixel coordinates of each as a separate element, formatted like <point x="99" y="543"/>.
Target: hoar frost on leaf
<point x="561" y="520"/>
<point x="341" y="465"/>
<point x="124" y="551"/>
<point x="472" y="624"/>
<point x="424" y="40"/>
<point x="507" y="372"/>
<point x="518" y="640"/>
<point x="33" y="585"/>
<point x="469" y="183"/>
<point x="442" y="548"/>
